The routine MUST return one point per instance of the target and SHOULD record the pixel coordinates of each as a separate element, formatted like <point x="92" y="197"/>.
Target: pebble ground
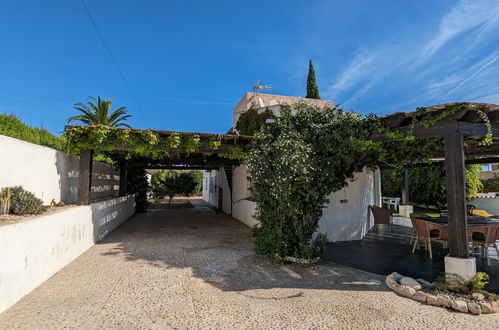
<point x="195" y="269"/>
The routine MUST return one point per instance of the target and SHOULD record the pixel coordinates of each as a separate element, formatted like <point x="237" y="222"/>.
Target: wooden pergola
<point x="461" y="133"/>
<point x="203" y="158"/>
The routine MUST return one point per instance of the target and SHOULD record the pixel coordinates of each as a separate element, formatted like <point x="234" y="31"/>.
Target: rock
<point x="405" y="291"/>
<point x="474" y="308"/>
<point x="424" y="283"/>
<point x="432" y="300"/>
<point x="410" y="282"/>
<point x="478" y="296"/>
<point x="391" y="283"/>
<point x="420" y="296"/>
<point x="495" y="306"/>
<point x="460" y="305"/>
<point x="396" y="276"/>
<point x="486" y="307"/>
<point x="444" y="301"/>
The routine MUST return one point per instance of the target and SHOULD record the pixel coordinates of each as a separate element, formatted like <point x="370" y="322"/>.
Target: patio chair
<point x="444" y="212"/>
<point x="484" y="237"/>
<point x="381" y="216"/>
<point x="428" y="232"/>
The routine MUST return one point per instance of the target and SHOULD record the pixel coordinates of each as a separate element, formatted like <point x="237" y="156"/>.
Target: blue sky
<point x="189" y="62"/>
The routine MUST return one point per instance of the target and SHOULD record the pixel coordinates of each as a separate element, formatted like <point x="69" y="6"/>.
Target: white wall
<point x="224" y="185"/>
<point x="242" y="208"/>
<point x="352" y="220"/>
<point x="340" y="221"/>
<point x="490" y="205"/>
<point x="34" y="250"/>
<point x="210" y="187"/>
<point x="49" y="173"/>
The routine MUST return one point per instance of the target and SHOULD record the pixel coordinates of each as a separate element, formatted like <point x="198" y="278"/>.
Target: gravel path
<point x="195" y="269"/>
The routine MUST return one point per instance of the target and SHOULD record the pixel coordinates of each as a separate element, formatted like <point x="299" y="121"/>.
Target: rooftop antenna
<point x="257" y="87"/>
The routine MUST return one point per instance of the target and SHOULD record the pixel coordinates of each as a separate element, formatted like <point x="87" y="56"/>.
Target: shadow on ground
<point x="218" y="249"/>
<point x="386" y="251"/>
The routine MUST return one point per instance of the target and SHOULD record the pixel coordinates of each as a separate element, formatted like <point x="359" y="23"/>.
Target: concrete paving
<point x="195" y="269"/>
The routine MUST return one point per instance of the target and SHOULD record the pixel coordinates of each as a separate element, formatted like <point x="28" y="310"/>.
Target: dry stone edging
<point x="411" y="288"/>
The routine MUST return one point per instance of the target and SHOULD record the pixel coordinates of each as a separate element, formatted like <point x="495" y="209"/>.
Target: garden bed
<point x="7" y="219"/>
<point x="424" y="292"/>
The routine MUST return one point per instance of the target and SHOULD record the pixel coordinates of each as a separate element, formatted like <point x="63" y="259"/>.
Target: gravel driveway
<point x="195" y="269"/>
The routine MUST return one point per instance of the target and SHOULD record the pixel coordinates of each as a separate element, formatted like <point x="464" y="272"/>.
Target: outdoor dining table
<point x="473" y="220"/>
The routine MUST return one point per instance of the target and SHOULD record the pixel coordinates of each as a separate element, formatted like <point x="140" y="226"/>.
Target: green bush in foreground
<point x="23" y="202"/>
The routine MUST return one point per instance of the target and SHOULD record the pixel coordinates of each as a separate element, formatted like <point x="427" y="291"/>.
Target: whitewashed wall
<point x="490" y="205"/>
<point x="34" y="250"/>
<point x="242" y="208"/>
<point x="352" y="220"/>
<point x="210" y="187"/>
<point x="49" y="173"/>
<point x="340" y="221"/>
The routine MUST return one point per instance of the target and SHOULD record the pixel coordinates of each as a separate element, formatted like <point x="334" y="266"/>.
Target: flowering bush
<point x="295" y="163"/>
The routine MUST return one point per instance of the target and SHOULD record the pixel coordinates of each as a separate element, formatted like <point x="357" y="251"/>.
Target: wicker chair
<point x="427" y="232"/>
<point x="381" y="216"/>
<point x="484" y="236"/>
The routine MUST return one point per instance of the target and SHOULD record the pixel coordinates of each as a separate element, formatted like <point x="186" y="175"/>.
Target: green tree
<point x="251" y="121"/>
<point x="198" y="178"/>
<point x="98" y="112"/>
<point x="312" y="89"/>
<point x="427" y="185"/>
<point x="172" y="183"/>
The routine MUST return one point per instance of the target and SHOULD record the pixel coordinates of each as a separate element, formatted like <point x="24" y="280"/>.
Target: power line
<point x="101" y="36"/>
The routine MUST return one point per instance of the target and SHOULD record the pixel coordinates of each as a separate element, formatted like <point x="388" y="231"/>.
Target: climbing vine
<point x="130" y="143"/>
<point x="296" y="162"/>
<point x="251" y="121"/>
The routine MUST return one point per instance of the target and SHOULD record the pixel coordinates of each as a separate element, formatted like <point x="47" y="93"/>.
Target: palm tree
<point x="98" y="113"/>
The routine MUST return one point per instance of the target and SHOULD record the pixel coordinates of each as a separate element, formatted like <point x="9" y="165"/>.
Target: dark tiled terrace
<point x="386" y="251"/>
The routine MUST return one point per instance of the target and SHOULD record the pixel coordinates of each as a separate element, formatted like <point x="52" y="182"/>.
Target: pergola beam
<point x="439" y="130"/>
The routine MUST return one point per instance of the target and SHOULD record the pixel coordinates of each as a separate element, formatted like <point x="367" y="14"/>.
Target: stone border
<point x="476" y="306"/>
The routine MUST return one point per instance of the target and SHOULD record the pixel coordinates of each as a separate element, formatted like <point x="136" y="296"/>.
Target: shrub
<point x="198" y="178"/>
<point x="251" y="121"/>
<point x="11" y="125"/>
<point x="24" y="202"/>
<point x="455" y="283"/>
<point x="172" y="183"/>
<point x="490" y="186"/>
<point x="5" y="198"/>
<point x="137" y="184"/>
<point x="427" y="184"/>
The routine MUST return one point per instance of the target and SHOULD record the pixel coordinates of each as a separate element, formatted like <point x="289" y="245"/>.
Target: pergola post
<point x="123" y="173"/>
<point x="405" y="187"/>
<point x="85" y="178"/>
<point x="457" y="262"/>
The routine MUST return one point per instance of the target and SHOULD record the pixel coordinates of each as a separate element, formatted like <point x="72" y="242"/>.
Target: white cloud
<point x="425" y="74"/>
<point x="465" y="16"/>
<point x="483" y="66"/>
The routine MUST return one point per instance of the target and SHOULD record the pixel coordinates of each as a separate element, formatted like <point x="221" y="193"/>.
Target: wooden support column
<point x="85" y="178"/>
<point x="405" y="187"/>
<point x="456" y="194"/>
<point x="123" y="173"/>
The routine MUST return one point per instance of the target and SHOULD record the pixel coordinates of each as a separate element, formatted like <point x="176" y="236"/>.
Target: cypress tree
<point x="312" y="89"/>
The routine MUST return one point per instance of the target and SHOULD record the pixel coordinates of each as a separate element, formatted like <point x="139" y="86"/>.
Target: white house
<point x="346" y="217"/>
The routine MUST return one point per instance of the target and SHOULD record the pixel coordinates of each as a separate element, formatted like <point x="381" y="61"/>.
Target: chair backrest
<point x="381" y="215"/>
<point x="424" y="228"/>
<point x="487" y="234"/>
<point x="421" y="228"/>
